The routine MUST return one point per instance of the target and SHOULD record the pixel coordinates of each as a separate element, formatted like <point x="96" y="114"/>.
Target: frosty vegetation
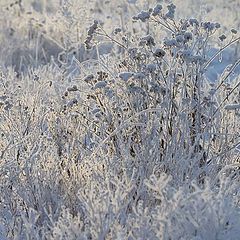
<point x="119" y="120"/>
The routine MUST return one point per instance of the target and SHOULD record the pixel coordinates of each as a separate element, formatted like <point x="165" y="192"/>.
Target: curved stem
<point x="219" y="51"/>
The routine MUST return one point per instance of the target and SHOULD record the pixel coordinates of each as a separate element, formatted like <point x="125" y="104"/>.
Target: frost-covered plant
<point x="138" y="142"/>
<point x="168" y="79"/>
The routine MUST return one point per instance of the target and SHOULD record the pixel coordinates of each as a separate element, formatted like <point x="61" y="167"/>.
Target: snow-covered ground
<point x="119" y="119"/>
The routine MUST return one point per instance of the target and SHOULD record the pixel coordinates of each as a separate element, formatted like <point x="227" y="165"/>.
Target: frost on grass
<point x="125" y="76"/>
<point x="232" y="106"/>
<point x="119" y="120"/>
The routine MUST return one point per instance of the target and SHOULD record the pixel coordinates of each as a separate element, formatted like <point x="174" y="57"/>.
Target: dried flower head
<point x="147" y="40"/>
<point x="157" y="10"/>
<point x="142" y="16"/>
<point x="125" y="76"/>
<point x="90" y="34"/>
<point x="159" y="53"/>
<point x="222" y="37"/>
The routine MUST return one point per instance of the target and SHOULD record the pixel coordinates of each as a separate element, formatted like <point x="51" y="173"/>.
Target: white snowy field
<point x="119" y="119"/>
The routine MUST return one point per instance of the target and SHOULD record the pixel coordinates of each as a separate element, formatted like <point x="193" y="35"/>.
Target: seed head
<point x="142" y="16"/>
<point x="222" y="37"/>
<point x="159" y="53"/>
<point x="156" y="11"/>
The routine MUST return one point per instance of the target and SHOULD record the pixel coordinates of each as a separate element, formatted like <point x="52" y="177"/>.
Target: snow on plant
<point x="134" y="143"/>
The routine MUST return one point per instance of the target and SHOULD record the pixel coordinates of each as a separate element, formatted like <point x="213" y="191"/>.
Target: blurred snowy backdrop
<point x="119" y="119"/>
